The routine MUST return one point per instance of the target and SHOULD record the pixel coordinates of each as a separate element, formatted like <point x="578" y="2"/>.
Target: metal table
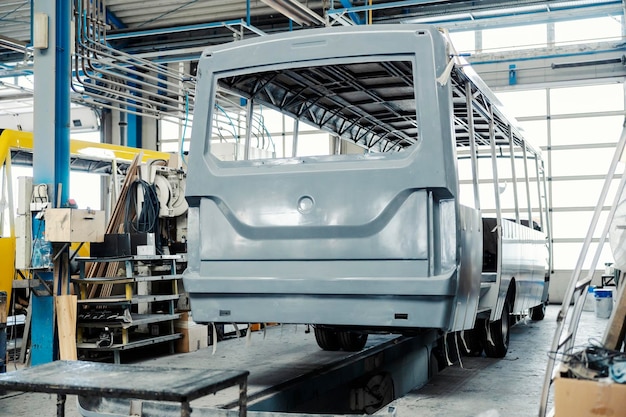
<point x="181" y="385"/>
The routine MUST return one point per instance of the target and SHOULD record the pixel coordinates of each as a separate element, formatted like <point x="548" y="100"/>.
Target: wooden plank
<point x="26" y="335"/>
<point x="66" y="306"/>
<point x="616" y="328"/>
<point x="115" y="225"/>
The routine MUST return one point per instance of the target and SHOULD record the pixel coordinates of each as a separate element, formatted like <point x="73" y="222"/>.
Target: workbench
<point x="181" y="385"/>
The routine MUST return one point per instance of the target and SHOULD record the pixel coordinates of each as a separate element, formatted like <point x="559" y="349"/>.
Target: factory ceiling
<point x="118" y="40"/>
<point x="141" y="27"/>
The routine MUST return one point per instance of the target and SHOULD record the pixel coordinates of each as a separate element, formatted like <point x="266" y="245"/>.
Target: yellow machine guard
<point x="13" y="139"/>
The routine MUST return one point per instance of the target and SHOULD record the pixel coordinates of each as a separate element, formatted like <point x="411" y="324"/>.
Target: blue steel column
<point x="133" y="130"/>
<point x="50" y="148"/>
<point x="62" y="99"/>
<point x="134" y="125"/>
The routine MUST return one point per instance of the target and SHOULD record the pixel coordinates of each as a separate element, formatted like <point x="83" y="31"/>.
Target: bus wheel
<point x="326" y="338"/>
<point x="352" y="341"/>
<point x="538" y="312"/>
<point x="499" y="331"/>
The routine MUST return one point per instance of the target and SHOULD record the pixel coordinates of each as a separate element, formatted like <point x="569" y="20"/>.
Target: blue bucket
<point x="604" y="302"/>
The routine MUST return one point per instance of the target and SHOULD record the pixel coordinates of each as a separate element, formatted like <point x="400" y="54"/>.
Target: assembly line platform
<point x="287" y="356"/>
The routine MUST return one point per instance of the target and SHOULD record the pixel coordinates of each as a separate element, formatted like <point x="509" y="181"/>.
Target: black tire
<point x="471" y="341"/>
<point x="352" y="341"/>
<point x="326" y="338"/>
<point x="538" y="313"/>
<point x="500" y="334"/>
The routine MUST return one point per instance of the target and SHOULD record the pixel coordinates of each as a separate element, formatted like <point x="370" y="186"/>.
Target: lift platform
<point x="290" y="376"/>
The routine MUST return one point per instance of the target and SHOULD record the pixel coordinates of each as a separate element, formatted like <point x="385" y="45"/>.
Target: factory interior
<point x="312" y="208"/>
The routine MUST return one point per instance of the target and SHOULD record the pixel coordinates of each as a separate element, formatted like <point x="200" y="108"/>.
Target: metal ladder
<point x="577" y="288"/>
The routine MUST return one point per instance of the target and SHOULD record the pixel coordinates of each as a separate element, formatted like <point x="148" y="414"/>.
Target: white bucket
<point x="589" y="304"/>
<point x="604" y="302"/>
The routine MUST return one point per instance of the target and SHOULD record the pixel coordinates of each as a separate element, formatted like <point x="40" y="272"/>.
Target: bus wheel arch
<point x="496" y="342"/>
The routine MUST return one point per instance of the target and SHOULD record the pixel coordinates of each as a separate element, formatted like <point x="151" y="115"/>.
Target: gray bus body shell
<point x="375" y="241"/>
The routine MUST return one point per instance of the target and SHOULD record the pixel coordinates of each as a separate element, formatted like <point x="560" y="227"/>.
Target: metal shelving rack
<point x="124" y="328"/>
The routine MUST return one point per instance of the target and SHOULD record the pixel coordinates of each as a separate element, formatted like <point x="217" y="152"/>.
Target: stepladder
<point x="571" y="309"/>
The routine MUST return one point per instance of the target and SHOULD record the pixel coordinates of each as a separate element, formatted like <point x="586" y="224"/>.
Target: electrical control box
<point x="74" y="225"/>
<point x="24" y="195"/>
<point x="23" y="242"/>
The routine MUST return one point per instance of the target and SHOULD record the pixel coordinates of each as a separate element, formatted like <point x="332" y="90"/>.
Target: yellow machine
<point x="18" y="146"/>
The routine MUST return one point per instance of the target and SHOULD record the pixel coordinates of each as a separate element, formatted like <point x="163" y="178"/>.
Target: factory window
<point x="585" y="130"/>
<point x="578" y="195"/>
<point x="524" y="103"/>
<point x="577" y="133"/>
<point x="536" y="131"/>
<point x="566" y="254"/>
<point x="171" y="131"/>
<point x="464" y="42"/>
<point x="514" y="37"/>
<point x="85" y="189"/>
<point x="588" y="30"/>
<point x="586" y="99"/>
<point x="576" y="162"/>
<point x="569" y="225"/>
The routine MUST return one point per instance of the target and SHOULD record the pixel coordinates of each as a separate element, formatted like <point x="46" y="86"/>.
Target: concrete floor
<point x="485" y="387"/>
<point x="508" y="387"/>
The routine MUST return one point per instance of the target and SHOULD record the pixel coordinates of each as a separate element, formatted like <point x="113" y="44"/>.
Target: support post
<point x="472" y="141"/>
<point x="527" y="181"/>
<point x="50" y="151"/>
<point x="249" y="125"/>
<point x="514" y="174"/>
<point x="294" y="143"/>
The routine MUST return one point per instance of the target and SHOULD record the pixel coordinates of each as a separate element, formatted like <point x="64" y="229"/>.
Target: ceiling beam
<point x="296" y="11"/>
<point x="114" y="21"/>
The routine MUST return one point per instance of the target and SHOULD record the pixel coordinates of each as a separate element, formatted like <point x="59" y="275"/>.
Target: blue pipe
<point x="248" y="12"/>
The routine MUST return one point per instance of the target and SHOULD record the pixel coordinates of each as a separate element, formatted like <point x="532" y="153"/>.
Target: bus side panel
<point x="524" y="255"/>
<point x="470" y="267"/>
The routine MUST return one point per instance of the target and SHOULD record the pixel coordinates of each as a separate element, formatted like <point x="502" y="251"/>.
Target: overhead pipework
<point x="109" y="78"/>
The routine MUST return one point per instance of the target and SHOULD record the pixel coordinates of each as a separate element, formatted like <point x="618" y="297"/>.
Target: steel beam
<point x="112" y="19"/>
<point x="183" y="28"/>
<point x="355" y="17"/>
<point x="592" y="62"/>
